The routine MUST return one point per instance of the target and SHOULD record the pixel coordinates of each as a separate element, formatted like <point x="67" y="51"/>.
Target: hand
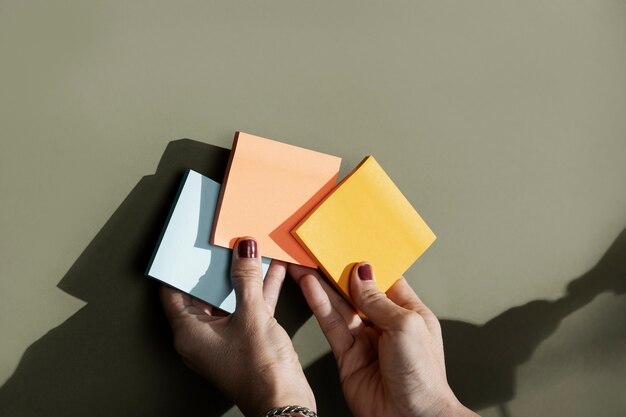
<point x="393" y="366"/>
<point x="247" y="354"/>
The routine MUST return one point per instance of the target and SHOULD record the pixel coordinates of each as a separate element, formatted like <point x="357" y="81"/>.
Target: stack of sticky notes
<point x="268" y="188"/>
<point x="286" y="197"/>
<point x="365" y="218"/>
<point x="183" y="257"/>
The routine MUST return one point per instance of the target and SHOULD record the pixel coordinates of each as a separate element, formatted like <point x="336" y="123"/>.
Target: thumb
<point x="374" y="303"/>
<point x="247" y="275"/>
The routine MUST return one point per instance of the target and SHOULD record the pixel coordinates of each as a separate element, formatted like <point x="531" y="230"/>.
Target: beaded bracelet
<point x="290" y="410"/>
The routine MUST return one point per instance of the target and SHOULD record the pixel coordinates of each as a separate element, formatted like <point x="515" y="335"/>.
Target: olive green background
<point x="502" y="122"/>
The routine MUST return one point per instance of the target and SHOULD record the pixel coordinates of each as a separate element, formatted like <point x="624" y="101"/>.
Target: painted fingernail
<point x="365" y="272"/>
<point x="247" y="248"/>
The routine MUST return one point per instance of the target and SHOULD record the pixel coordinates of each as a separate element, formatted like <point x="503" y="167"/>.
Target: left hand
<point x="247" y="354"/>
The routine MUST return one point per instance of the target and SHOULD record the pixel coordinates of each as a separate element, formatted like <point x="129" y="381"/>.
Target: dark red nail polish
<point x="365" y="272"/>
<point x="247" y="248"/>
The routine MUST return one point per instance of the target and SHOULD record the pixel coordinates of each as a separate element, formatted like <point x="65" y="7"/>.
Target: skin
<point x="247" y="354"/>
<point x="389" y="355"/>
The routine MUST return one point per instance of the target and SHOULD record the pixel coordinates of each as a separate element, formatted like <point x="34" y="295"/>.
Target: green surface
<point x="502" y="122"/>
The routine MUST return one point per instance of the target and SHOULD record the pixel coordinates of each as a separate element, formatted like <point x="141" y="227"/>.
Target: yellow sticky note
<point x="365" y="218"/>
<point x="268" y="188"/>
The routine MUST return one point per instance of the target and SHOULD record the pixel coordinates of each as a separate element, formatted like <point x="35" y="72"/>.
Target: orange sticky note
<point x="268" y="188"/>
<point x="365" y="218"/>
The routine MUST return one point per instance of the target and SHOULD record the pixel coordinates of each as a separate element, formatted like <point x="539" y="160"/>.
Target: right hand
<point x="393" y="366"/>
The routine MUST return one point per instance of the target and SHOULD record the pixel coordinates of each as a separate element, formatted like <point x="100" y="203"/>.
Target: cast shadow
<point x="482" y="360"/>
<point x="115" y="356"/>
<point x="215" y="280"/>
<point x="282" y="234"/>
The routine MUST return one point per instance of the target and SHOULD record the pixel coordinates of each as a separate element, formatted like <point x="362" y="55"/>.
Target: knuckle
<point x="332" y="324"/>
<point x="409" y="321"/>
<point x="320" y="305"/>
<point x="271" y="301"/>
<point x="245" y="271"/>
<point x="434" y="324"/>
<point x="249" y="325"/>
<point x="372" y="296"/>
<point x="424" y="311"/>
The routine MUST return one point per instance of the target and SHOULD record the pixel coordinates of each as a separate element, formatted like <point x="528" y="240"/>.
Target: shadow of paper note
<point x="115" y="356"/>
<point x="282" y="234"/>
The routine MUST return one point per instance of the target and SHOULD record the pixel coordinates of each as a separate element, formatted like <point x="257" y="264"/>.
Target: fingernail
<point x="247" y="248"/>
<point x="365" y="272"/>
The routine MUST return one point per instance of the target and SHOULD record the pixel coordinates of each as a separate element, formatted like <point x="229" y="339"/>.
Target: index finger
<point x="273" y="283"/>
<point x="330" y="320"/>
<point x="174" y="301"/>
<point x="350" y="316"/>
<point x="403" y="295"/>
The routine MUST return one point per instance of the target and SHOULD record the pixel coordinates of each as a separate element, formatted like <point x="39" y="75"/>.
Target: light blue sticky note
<point x="184" y="258"/>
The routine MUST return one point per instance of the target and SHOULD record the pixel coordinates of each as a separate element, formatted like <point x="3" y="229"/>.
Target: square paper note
<point x="268" y="188"/>
<point x="366" y="218"/>
<point x="183" y="257"/>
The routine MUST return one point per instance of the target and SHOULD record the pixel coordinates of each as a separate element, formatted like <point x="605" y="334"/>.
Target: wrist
<point x="452" y="408"/>
<point x="291" y="411"/>
<point x="258" y="403"/>
<point x="463" y="411"/>
<point x="264" y="406"/>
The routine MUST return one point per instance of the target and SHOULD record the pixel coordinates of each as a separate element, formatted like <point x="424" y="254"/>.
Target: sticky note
<point x="365" y="218"/>
<point x="268" y="188"/>
<point x="183" y="257"/>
